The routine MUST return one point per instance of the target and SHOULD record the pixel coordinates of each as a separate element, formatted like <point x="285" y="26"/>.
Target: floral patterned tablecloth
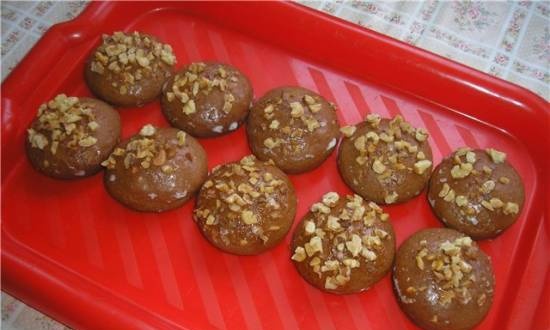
<point x="510" y="40"/>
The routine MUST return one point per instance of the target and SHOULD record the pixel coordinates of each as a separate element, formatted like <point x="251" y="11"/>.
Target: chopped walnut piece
<point x="419" y="258"/>
<point x="361" y="160"/>
<point x="315" y="107"/>
<point x="320" y="207"/>
<point x="373" y="119"/>
<point x="352" y="263"/>
<point x="355" y="245"/>
<point x="167" y="169"/>
<point x="309" y="227"/>
<point x="470" y="157"/>
<point x="381" y="233"/>
<point x="37" y="140"/>
<point x="109" y="163"/>
<point x="421" y="135"/>
<point x="189" y="107"/>
<point x="511" y="208"/>
<point x="228" y="102"/>
<point x="311" y="123"/>
<point x="333" y="223"/>
<point x="449" y="248"/>
<point x="87" y="141"/>
<point x="170" y="96"/>
<point x="444" y="190"/>
<point x="313" y="246"/>
<point x="299" y="254"/>
<point x="360" y="143"/>
<point x="378" y="167"/>
<point x="93" y="125"/>
<point x="368" y="254"/>
<point x="181" y="138"/>
<point x="330" y="198"/>
<point x="461" y="171"/>
<point x="461" y="200"/>
<point x="248" y="217"/>
<point x="274" y="124"/>
<point x="270" y="143"/>
<point x="97" y="67"/>
<point x="496" y="156"/>
<point x="330" y="283"/>
<point x="297" y="110"/>
<point x="309" y="99"/>
<point x="391" y="198"/>
<point x="421" y="166"/>
<point x="450" y="197"/>
<point x="147" y="130"/>
<point x="348" y="130"/>
<point x="373" y="137"/>
<point x="488" y="186"/>
<point x="496" y="203"/>
<point x="210" y="219"/>
<point x="463" y="241"/>
<point x="330" y="265"/>
<point x="487" y="205"/>
<point x="386" y="137"/>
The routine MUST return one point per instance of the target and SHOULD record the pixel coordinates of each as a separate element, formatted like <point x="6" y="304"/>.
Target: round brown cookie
<point x="156" y="170"/>
<point x="442" y="280"/>
<point x="386" y="161"/>
<point x="129" y="69"/>
<point x="476" y="192"/>
<point x="207" y="99"/>
<point x="246" y="207"/>
<point x="294" y="127"/>
<point x="344" y="244"/>
<point x="71" y="136"/>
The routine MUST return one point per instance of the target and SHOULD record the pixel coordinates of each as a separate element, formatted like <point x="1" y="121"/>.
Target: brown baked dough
<point x="442" y="280"/>
<point x="344" y="244"/>
<point x="386" y="161"/>
<point x="294" y="127"/>
<point x="476" y="192"/>
<point x="71" y="136"/>
<point x="207" y="99"/>
<point x="129" y="69"/>
<point x="156" y="170"/>
<point x="246" y="207"/>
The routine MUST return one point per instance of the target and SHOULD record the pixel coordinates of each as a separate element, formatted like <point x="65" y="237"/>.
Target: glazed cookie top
<point x="156" y="170"/>
<point x="443" y="280"/>
<point x="210" y="95"/>
<point x="125" y="59"/>
<point x="143" y="151"/>
<point x="388" y="161"/>
<point x="66" y="121"/>
<point x="294" y="127"/>
<point x="477" y="192"/>
<point x="344" y="244"/>
<point x="245" y="207"/>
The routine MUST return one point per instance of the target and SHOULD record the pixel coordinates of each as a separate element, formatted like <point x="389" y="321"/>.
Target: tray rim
<point x="18" y="264"/>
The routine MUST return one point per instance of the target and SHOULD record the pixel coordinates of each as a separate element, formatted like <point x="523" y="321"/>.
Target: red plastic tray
<point x="71" y="251"/>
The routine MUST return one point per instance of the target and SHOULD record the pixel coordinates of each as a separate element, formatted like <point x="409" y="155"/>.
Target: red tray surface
<point x="76" y="254"/>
